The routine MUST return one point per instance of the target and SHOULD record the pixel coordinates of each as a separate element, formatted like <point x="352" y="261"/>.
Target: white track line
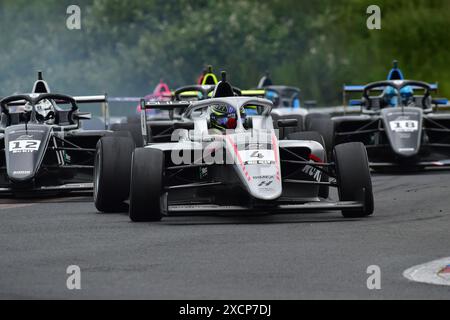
<point x="435" y="272"/>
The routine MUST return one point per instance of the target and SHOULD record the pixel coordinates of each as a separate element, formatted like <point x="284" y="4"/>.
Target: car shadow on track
<point x="255" y="219"/>
<point x="245" y="219"/>
<point x="272" y="220"/>
<point x="79" y="198"/>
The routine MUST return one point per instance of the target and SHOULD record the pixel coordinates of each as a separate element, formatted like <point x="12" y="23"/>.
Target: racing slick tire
<point x="125" y="134"/>
<point x="324" y="191"/>
<point x="322" y="124"/>
<point x="147" y="168"/>
<point x="112" y="172"/>
<point x="134" y="129"/>
<point x="353" y="178"/>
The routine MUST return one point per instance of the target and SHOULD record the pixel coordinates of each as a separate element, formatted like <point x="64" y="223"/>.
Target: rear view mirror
<point x="288" y="123"/>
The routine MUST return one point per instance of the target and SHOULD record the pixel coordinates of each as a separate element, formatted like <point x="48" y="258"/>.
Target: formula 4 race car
<point x="399" y="124"/>
<point x="43" y="148"/>
<point x="221" y="159"/>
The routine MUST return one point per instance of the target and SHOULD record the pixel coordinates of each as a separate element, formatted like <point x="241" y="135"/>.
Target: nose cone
<point x="258" y="165"/>
<point x="24" y="150"/>
<point x="265" y="183"/>
<point x="404" y="130"/>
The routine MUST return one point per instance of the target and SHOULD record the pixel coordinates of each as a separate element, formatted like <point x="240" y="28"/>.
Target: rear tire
<point x="324" y="191"/>
<point x="353" y="178"/>
<point x="146" y="185"/>
<point x="112" y="173"/>
<point x="134" y="129"/>
<point x="322" y="124"/>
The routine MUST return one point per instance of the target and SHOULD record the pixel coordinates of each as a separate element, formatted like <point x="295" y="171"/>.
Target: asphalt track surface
<point x="305" y="256"/>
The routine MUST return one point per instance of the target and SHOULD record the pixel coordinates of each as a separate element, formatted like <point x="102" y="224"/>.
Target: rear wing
<point x="349" y="89"/>
<point x="259" y="93"/>
<point x="164" y="105"/>
<point x="208" y="91"/>
<point x="91" y="99"/>
<point x="103" y="100"/>
<point x="125" y="99"/>
<point x="360" y="88"/>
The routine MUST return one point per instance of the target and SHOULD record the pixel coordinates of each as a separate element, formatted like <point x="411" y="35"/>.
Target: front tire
<point x="112" y="172"/>
<point x="146" y="188"/>
<point x="353" y="178"/>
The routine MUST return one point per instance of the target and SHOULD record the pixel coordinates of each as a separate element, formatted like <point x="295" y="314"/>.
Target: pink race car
<point x="161" y="93"/>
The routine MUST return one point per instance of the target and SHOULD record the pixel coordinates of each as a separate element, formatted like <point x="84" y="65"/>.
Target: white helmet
<point x="45" y="110"/>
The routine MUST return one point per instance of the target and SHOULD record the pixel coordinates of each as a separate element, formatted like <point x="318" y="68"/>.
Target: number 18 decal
<point x="23" y="146"/>
<point x="404" y="126"/>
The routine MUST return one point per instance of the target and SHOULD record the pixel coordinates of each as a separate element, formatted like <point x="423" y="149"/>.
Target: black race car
<point x="400" y="125"/>
<point x="43" y="148"/>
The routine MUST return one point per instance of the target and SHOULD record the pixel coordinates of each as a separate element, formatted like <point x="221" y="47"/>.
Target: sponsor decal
<point x="25" y="137"/>
<point x="263" y="177"/>
<point x="402" y="126"/>
<point x="25" y="132"/>
<point x="24" y="146"/>
<point x="203" y="172"/>
<point x="254" y="146"/>
<point x="258" y="157"/>
<point x="313" y="172"/>
<point x="265" y="183"/>
<point x="21" y="173"/>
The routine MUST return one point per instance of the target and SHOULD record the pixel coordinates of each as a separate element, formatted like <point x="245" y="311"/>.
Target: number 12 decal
<point x="23" y="146"/>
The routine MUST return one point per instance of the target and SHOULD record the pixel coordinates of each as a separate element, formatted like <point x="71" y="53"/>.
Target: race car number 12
<point x="23" y="146"/>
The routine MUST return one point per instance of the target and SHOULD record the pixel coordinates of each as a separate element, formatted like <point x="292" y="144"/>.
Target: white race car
<point x="225" y="156"/>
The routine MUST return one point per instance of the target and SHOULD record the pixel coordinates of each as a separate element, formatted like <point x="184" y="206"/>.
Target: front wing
<point x="281" y="208"/>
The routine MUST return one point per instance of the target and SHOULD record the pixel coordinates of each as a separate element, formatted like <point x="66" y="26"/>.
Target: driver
<point x="45" y="111"/>
<point x="391" y="97"/>
<point x="225" y="117"/>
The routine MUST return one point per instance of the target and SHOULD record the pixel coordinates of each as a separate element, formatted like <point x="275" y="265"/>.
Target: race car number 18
<point x="23" y="146"/>
<point x="404" y="126"/>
